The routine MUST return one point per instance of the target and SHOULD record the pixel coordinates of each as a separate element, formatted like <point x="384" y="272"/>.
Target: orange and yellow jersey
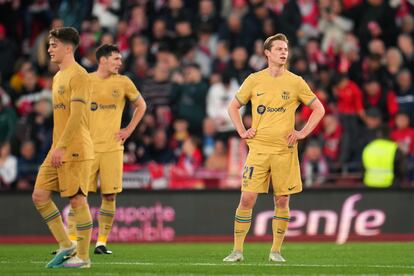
<point x="108" y="101"/>
<point x="274" y="102"/>
<point x="71" y="85"/>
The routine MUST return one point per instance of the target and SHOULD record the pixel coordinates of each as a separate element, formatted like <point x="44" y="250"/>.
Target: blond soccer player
<point x="275" y="94"/>
<point x="67" y="166"/>
<point x="110" y="92"/>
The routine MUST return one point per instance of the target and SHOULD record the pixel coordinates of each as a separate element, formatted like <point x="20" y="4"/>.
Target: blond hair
<point x="267" y="45"/>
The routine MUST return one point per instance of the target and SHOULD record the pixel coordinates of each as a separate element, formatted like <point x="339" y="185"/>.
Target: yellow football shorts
<point x="67" y="179"/>
<point x="108" y="166"/>
<point x="283" y="169"/>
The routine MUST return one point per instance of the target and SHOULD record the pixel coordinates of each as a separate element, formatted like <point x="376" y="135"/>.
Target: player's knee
<point x="247" y="202"/>
<point x="38" y="197"/>
<point x="109" y="197"/>
<point x="77" y="201"/>
<point x="282" y="202"/>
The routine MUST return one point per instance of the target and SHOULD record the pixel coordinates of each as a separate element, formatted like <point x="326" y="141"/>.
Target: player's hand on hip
<point x="57" y="157"/>
<point x="248" y="134"/>
<point x="123" y="134"/>
<point x="294" y="136"/>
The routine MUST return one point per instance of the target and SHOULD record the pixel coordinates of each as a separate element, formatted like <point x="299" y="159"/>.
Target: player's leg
<point x="105" y="219"/>
<point x="46" y="182"/>
<point x="286" y="180"/>
<point x="255" y="181"/>
<point x="71" y="225"/>
<point x="110" y="173"/>
<point x="279" y="226"/>
<point x="242" y="222"/>
<point x="92" y="187"/>
<point x="83" y="219"/>
<point x="75" y="177"/>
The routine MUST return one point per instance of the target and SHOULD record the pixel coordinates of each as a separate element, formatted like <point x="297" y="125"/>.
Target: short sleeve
<point x="245" y="91"/>
<point x="306" y="96"/>
<point x="131" y="92"/>
<point x="80" y="87"/>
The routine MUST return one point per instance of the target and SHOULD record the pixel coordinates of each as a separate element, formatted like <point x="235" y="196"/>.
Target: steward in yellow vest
<point x="378" y="160"/>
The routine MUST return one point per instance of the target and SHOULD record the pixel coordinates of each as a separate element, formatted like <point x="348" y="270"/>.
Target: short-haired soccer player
<point x="110" y="92"/>
<point x="67" y="166"/>
<point x="275" y="94"/>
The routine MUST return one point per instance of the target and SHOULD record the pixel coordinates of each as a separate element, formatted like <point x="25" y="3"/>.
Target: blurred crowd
<point x="188" y="58"/>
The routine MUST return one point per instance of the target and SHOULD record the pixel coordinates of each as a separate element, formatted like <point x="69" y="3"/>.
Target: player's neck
<point x="66" y="62"/>
<point x="102" y="73"/>
<point x="276" y="70"/>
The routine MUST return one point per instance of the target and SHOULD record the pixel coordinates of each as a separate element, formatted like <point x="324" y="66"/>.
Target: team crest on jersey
<point x="261" y="109"/>
<point x="115" y="93"/>
<point x="285" y="95"/>
<point x="61" y="89"/>
<point x="94" y="106"/>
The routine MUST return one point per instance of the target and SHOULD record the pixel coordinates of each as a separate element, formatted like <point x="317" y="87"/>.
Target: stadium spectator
<point x="27" y="166"/>
<point x="350" y="109"/>
<point x="380" y="98"/>
<point x="393" y="65"/>
<point x="314" y="166"/>
<point x="159" y="151"/>
<point x="8" y="166"/>
<point x="219" y="96"/>
<point x="189" y="99"/>
<point x="209" y="137"/>
<point x="405" y="44"/>
<point x="405" y="92"/>
<point x="257" y="61"/>
<point x="403" y="135"/>
<point x="238" y="66"/>
<point x="190" y="159"/>
<point x="333" y="26"/>
<point x="8" y="54"/>
<point x="8" y="119"/>
<point x="332" y="135"/>
<point x="156" y="91"/>
<point x="218" y="160"/>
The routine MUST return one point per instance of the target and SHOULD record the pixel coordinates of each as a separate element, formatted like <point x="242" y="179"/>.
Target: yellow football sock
<point x="71" y="225"/>
<point x="105" y="220"/>
<point x="242" y="222"/>
<point x="279" y="226"/>
<point x="84" y="225"/>
<point x="53" y="219"/>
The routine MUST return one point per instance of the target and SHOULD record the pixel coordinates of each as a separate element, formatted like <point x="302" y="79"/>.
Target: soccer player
<point x="275" y="93"/>
<point x="110" y="92"/>
<point x="67" y="166"/>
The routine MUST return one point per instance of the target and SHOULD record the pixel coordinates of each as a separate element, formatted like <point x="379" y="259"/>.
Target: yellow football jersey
<point x="71" y="84"/>
<point x="274" y="102"/>
<point x="108" y="101"/>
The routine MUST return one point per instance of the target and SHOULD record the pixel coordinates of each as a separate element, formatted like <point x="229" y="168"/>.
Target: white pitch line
<point x="237" y="264"/>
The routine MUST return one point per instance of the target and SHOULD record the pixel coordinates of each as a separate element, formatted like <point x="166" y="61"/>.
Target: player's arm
<point x="234" y="113"/>
<point x="140" y="107"/>
<point x="317" y="113"/>
<point x="77" y="110"/>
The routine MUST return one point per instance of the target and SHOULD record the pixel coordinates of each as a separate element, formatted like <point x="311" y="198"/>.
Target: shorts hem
<point x="257" y="192"/>
<point x="287" y="193"/>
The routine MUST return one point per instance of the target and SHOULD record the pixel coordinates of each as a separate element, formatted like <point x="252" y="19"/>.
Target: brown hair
<point x="269" y="41"/>
<point x="66" y="35"/>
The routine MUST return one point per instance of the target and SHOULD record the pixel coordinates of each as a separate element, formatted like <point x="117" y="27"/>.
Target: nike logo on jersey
<point x="259" y="94"/>
<point x="291" y="188"/>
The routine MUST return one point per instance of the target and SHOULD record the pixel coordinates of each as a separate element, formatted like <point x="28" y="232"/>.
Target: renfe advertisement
<point x="334" y="215"/>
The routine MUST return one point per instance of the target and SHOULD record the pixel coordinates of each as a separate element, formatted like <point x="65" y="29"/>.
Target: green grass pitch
<point x="206" y="259"/>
